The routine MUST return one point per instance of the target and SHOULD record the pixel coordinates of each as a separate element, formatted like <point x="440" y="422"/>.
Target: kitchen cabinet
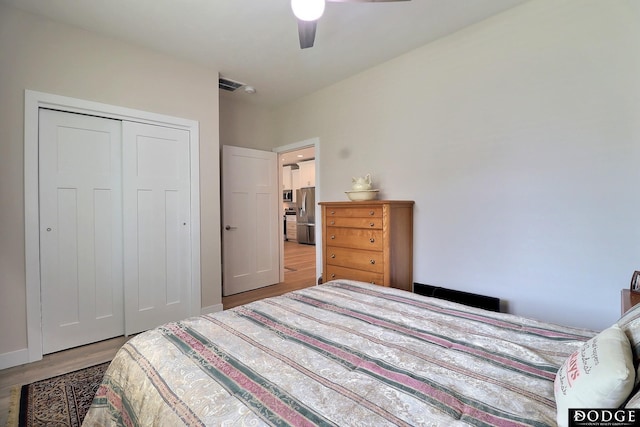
<point x="295" y="182"/>
<point x="286" y="178"/>
<point x="307" y="173"/>
<point x="368" y="241"/>
<point x="292" y="232"/>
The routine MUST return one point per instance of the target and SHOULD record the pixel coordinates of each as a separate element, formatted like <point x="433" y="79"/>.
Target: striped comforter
<point x="344" y="353"/>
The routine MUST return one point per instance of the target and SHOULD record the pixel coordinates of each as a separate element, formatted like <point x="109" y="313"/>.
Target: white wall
<point x="243" y="124"/>
<point x="518" y="138"/>
<point x="41" y="55"/>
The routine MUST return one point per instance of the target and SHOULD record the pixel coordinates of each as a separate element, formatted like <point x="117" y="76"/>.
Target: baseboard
<point x="467" y="298"/>
<point x="14" y="358"/>
<point x="211" y="309"/>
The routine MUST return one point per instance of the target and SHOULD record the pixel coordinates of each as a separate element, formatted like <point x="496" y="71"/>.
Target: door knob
<point x="228" y="227"/>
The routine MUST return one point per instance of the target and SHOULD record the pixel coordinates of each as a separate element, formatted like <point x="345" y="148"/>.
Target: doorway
<point x="302" y="261"/>
<point x="298" y="170"/>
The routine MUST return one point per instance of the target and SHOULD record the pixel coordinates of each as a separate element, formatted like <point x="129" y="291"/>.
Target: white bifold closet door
<point x="114" y="215"/>
<point x="157" y="250"/>
<point x="81" y="262"/>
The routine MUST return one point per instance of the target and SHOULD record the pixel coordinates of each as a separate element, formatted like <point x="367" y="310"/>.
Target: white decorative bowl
<point x="361" y="195"/>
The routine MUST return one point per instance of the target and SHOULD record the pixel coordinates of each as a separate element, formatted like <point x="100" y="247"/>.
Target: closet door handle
<point x="229" y="227"/>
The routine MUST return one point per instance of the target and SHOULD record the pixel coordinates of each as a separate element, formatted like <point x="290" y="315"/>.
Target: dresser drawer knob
<point x="333" y="236"/>
<point x="372" y="261"/>
<point x="333" y="255"/>
<point x="372" y="240"/>
<point x="332" y="223"/>
<point x="371" y="224"/>
<point x="372" y="213"/>
<point x="373" y="282"/>
<point x="333" y="276"/>
<point x="333" y="212"/>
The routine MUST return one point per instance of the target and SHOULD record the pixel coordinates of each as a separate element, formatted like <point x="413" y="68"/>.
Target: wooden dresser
<point x="368" y="241"/>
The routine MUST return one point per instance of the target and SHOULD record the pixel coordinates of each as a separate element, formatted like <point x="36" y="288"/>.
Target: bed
<point x="343" y="353"/>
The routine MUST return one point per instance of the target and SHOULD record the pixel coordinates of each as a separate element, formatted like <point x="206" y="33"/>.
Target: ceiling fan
<point x="309" y="11"/>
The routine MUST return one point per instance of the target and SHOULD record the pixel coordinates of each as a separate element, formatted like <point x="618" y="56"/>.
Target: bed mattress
<point x="344" y="353"/>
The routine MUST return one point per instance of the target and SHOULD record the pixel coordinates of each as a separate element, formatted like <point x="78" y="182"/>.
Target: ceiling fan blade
<point x="307" y="33"/>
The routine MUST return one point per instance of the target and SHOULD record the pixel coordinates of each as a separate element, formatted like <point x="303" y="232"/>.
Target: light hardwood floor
<point x="300" y="272"/>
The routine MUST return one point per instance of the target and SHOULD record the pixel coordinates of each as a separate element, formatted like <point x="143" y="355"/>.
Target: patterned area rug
<point x="60" y="401"/>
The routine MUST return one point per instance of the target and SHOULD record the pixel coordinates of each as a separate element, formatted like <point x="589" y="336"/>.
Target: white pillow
<point x="598" y="375"/>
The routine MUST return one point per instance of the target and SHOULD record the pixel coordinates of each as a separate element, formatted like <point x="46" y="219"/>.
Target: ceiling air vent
<point x="229" y="85"/>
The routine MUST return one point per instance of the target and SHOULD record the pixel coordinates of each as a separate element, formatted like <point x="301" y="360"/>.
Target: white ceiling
<point x="296" y="156"/>
<point x="256" y="41"/>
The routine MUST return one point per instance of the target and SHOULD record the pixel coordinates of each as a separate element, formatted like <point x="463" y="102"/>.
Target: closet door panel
<point x="107" y="234"/>
<point x="81" y="229"/>
<point x="150" y="262"/>
<point x="156" y="223"/>
<point x="173" y="240"/>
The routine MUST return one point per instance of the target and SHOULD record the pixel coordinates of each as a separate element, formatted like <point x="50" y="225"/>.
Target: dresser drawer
<point x="371" y="223"/>
<point x="354" y="212"/>
<point x="335" y="272"/>
<point x="356" y="238"/>
<point x="356" y="258"/>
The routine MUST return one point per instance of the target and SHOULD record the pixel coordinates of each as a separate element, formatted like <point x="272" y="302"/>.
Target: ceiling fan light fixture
<point x="307" y="10"/>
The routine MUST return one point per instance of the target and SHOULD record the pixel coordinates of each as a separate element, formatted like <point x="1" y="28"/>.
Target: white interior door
<point x="156" y="201"/>
<point x="81" y="229"/>
<point x="250" y="217"/>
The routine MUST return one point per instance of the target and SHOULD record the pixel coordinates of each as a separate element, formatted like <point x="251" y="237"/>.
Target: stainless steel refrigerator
<point x="306" y="215"/>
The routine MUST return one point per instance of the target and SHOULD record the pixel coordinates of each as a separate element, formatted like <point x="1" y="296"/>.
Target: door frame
<point x="33" y="101"/>
<point x="315" y="143"/>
